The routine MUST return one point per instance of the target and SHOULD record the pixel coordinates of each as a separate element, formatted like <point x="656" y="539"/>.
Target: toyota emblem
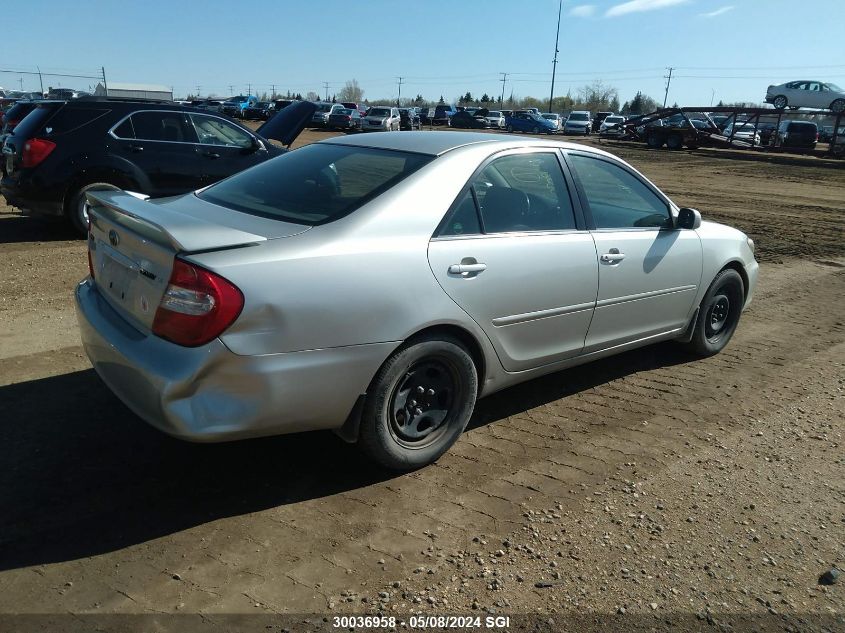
<point x="114" y="238"/>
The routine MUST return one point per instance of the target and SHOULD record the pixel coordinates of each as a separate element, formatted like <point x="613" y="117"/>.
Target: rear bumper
<point x="210" y="394"/>
<point x="21" y="191"/>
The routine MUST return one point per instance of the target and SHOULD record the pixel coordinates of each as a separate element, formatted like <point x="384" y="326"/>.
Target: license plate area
<point x="116" y="277"/>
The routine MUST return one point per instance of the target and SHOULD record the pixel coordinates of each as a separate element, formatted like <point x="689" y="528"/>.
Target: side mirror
<point x="689" y="218"/>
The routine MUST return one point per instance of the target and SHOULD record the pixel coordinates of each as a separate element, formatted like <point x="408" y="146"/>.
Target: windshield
<point x="237" y="100"/>
<point x="315" y="184"/>
<point x="579" y="116"/>
<point x="324" y="107"/>
<point x="380" y="112"/>
<point x="262" y="104"/>
<point x="346" y="111"/>
<point x="550" y="116"/>
<point x="835" y="87"/>
<point x="614" y="119"/>
<point x="494" y="114"/>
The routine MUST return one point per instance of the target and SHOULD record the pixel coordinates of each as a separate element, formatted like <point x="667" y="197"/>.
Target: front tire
<point x="76" y="207"/>
<point x="718" y="314"/>
<point x="838" y="106"/>
<point x="419" y="403"/>
<point x="509" y="129"/>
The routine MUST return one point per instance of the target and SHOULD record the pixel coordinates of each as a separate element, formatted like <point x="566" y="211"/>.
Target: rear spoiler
<point x="165" y="227"/>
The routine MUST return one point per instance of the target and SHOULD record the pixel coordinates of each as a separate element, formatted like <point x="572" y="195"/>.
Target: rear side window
<point x="163" y="126"/>
<point x="68" y="119"/>
<point x="315" y="184"/>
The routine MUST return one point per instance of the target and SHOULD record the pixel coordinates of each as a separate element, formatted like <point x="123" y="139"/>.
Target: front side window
<point x="616" y="198"/>
<point x="315" y="184"/>
<point x="521" y="192"/>
<point x="163" y="126"/>
<point x="212" y="131"/>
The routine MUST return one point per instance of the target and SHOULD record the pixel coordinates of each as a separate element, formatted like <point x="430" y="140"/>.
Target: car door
<point x="512" y="254"/>
<point x="649" y="271"/>
<point x="162" y="144"/>
<point x="224" y="148"/>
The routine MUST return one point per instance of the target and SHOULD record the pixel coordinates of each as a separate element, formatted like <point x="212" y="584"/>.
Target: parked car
<point x="476" y="120"/>
<point x="612" y="125"/>
<point x="556" y="119"/>
<point x="259" y="111"/>
<point x="496" y="119"/>
<point x="825" y="133"/>
<point x="62" y="150"/>
<point x="795" y="134"/>
<point x="322" y="112"/>
<point x="235" y="106"/>
<point x="578" y="122"/>
<point x="15" y="115"/>
<point x="600" y="116"/>
<point x="807" y="94"/>
<point x="837" y="145"/>
<point x="744" y="131"/>
<point x="528" y="122"/>
<point x="277" y="301"/>
<point x="443" y="114"/>
<point x="382" y="119"/>
<point x="209" y="105"/>
<point x="409" y="119"/>
<point x="345" y="119"/>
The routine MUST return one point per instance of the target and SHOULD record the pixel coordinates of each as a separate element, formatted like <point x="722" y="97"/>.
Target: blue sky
<point x="721" y="49"/>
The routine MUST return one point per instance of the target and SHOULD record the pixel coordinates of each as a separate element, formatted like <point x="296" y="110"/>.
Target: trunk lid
<point x="133" y="242"/>
<point x="288" y="123"/>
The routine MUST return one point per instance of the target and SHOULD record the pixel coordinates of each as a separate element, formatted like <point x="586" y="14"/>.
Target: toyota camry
<point x="379" y="285"/>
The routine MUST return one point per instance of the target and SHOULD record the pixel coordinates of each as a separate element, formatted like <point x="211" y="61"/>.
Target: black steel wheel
<point x="654" y="141"/>
<point x="838" y="106"/>
<point x="780" y="102"/>
<point x="718" y="314"/>
<point x="418" y="403"/>
<point x="675" y="141"/>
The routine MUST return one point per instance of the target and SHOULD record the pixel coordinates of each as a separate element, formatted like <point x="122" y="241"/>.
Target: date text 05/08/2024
<point x="422" y="622"/>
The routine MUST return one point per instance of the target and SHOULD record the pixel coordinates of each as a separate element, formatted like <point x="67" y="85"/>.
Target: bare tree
<point x="597" y="96"/>
<point x="312" y="96"/>
<point x="351" y="91"/>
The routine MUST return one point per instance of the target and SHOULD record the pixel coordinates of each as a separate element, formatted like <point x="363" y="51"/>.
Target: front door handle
<point x="612" y="257"/>
<point x="136" y="148"/>
<point x="459" y="269"/>
<point x="211" y="154"/>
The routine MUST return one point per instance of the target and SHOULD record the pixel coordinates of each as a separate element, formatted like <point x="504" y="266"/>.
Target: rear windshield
<point x="315" y="184"/>
<point x="33" y="123"/>
<point x="803" y="127"/>
<point x="18" y="111"/>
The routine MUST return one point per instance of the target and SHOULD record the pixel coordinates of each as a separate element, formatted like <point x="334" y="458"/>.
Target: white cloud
<point x="713" y="14"/>
<point x="583" y="10"/>
<point x="637" y="6"/>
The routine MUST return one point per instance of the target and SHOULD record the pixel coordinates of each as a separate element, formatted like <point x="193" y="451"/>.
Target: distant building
<point x="136" y="91"/>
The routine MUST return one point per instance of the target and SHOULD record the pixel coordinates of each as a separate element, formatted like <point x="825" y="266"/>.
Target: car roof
<point x="438" y="143"/>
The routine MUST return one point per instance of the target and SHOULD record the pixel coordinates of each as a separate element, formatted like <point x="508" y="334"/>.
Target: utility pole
<point x="249" y="89"/>
<point x="105" y="84"/>
<point x="198" y="91"/>
<point x="272" y="91"/>
<point x="40" y="80"/>
<point x="503" y="80"/>
<point x="326" y="86"/>
<point x="231" y="90"/>
<point x="554" y="63"/>
<point x="400" y="91"/>
<point x="668" y="81"/>
<point x="20" y="81"/>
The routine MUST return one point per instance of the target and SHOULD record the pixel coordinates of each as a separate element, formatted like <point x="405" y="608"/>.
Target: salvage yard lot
<point x="644" y="483"/>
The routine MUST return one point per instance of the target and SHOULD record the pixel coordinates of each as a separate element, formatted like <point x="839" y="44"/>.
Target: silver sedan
<point x="380" y="285"/>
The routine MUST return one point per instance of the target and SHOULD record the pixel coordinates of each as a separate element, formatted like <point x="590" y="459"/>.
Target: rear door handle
<point x="459" y="269"/>
<point x="612" y="258"/>
<point x="136" y="148"/>
<point x="211" y="154"/>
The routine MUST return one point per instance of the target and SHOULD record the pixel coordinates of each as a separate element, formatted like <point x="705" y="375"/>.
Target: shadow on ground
<point x="15" y="228"/>
<point x="81" y="475"/>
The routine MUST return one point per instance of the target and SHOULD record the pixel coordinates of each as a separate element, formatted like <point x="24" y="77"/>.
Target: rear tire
<point x="76" y="207"/>
<point x="675" y="142"/>
<point x="654" y="141"/>
<point x="509" y="129"/>
<point x="419" y="403"/>
<point x="718" y="314"/>
<point x="780" y="102"/>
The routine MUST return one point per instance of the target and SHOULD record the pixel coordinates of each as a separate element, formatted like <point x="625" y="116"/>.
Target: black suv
<point x="796" y="134"/>
<point x="62" y="149"/>
<point x="409" y="119"/>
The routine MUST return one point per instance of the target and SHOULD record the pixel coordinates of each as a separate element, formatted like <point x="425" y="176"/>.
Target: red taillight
<point x="197" y="306"/>
<point x="35" y="151"/>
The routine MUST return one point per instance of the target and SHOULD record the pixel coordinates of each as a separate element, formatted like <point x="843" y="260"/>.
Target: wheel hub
<point x="718" y="315"/>
<point x="422" y="401"/>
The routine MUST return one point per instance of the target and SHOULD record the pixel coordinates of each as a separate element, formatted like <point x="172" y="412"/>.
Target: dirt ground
<point x="647" y="490"/>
